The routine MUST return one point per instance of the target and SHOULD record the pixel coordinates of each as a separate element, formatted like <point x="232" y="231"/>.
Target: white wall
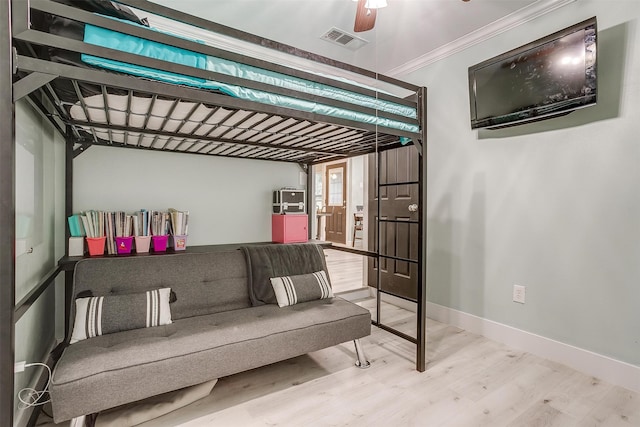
<point x="39" y="185"/>
<point x="356" y="182"/>
<point x="229" y="200"/>
<point x="40" y="241"/>
<point x="554" y="206"/>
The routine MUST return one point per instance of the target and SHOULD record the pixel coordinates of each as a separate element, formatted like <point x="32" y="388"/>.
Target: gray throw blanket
<point x="277" y="260"/>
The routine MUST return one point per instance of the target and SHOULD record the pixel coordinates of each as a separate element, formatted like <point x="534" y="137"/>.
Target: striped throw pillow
<point x="114" y="313"/>
<point x="291" y="290"/>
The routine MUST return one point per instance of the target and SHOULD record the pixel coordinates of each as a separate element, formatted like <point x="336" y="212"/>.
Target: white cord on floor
<point x="30" y="397"/>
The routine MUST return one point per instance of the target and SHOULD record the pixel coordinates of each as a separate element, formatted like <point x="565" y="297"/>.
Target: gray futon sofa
<point x="224" y="319"/>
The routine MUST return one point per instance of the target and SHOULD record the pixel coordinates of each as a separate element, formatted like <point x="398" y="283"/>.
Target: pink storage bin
<point x="289" y="228"/>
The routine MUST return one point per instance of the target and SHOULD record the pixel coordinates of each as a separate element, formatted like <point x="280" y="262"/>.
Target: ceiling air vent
<point x="342" y="38"/>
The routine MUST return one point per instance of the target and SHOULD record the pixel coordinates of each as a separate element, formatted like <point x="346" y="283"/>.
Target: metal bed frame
<point x="245" y="130"/>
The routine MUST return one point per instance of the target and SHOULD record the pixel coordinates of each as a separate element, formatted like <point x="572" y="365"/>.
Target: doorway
<point x="350" y="206"/>
<point x="347" y="270"/>
<point x="336" y="203"/>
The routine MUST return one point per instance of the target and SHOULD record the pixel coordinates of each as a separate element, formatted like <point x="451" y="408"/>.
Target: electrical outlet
<point x="519" y="293"/>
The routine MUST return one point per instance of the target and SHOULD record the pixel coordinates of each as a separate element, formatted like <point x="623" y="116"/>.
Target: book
<point x="179" y="222"/>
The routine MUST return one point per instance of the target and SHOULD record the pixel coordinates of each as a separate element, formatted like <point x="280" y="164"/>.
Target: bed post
<point x="309" y="201"/>
<point x="421" y="351"/>
<point x="7" y="218"/>
<point x="68" y="209"/>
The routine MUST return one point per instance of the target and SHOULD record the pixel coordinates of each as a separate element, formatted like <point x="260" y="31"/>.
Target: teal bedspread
<point x="127" y="43"/>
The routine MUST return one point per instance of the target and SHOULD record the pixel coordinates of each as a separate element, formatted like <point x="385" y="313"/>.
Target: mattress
<point x="131" y="44"/>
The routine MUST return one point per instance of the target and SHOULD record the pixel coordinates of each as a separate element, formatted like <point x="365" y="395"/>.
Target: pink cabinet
<point x="289" y="228"/>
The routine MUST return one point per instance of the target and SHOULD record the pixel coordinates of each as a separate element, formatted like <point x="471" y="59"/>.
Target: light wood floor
<point x="470" y="381"/>
<point x="346" y="270"/>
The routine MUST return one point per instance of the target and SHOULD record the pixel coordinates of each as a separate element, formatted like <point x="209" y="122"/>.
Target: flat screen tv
<point x="548" y="77"/>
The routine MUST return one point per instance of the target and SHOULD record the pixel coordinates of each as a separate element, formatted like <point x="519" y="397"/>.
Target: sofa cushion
<point x="89" y="376"/>
<point x="204" y="283"/>
<point x="292" y="290"/>
<point x="114" y="313"/>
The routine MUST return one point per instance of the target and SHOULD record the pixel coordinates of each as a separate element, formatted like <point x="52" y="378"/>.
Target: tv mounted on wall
<point x="546" y="78"/>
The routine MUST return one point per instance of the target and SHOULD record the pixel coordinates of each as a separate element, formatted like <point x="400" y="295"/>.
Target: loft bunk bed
<point x="93" y="68"/>
<point x="193" y="104"/>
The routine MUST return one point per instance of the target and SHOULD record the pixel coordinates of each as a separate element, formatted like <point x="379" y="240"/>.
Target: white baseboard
<point x="597" y="365"/>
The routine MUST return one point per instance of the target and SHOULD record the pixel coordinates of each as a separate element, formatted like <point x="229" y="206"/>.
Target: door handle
<point x="413" y="207"/>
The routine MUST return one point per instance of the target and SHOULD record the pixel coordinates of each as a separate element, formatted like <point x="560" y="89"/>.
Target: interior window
<point x="335" y="187"/>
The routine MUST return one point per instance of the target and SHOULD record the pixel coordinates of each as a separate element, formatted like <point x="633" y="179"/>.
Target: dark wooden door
<point x="398" y="205"/>
<point x="336" y="203"/>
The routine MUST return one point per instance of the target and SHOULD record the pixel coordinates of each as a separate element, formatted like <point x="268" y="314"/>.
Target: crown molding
<point x="515" y="19"/>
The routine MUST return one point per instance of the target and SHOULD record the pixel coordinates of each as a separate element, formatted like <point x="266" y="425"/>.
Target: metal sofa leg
<point x="362" y="361"/>
<point x="78" y="421"/>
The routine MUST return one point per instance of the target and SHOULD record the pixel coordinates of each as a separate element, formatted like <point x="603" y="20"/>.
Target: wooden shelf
<point x="68" y="263"/>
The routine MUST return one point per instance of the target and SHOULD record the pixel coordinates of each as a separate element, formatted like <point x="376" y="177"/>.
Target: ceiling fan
<point x="366" y="14"/>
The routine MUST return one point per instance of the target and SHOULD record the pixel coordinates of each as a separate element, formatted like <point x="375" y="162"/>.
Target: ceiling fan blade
<point x="365" y="18"/>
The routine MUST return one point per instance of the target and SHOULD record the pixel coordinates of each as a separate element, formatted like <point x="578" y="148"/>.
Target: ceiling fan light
<point x="375" y="4"/>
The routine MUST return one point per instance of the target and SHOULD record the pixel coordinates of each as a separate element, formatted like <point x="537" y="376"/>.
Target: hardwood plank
<point x="509" y="398"/>
<point x="578" y="394"/>
<point x="542" y="414"/>
<point x="619" y="407"/>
